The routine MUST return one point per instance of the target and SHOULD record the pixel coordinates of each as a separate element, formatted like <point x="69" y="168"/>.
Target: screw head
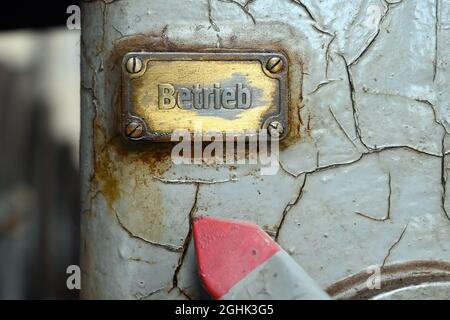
<point x="275" y="64"/>
<point x="134" y="130"/>
<point x="134" y="65"/>
<point x="276" y="129"/>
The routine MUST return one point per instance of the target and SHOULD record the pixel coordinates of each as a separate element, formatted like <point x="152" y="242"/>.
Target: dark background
<point x="33" y="14"/>
<point x="39" y="174"/>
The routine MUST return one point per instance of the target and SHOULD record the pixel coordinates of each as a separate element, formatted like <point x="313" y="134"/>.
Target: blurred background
<point x="39" y="137"/>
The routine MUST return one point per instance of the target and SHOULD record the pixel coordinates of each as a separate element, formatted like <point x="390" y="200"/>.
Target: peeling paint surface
<point x="364" y="170"/>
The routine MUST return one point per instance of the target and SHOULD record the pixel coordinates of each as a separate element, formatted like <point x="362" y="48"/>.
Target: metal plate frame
<point x="128" y="116"/>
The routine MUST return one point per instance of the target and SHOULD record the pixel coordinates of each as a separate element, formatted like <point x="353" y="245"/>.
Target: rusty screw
<point x="276" y="129"/>
<point x="134" y="65"/>
<point x="134" y="130"/>
<point x="275" y="64"/>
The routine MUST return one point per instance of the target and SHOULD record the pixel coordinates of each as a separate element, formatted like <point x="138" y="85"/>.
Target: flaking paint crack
<point x="92" y="89"/>
<point x="422" y="100"/>
<point x="104" y="8"/>
<point x="103" y="35"/>
<point x="248" y="3"/>
<point x="341" y="127"/>
<point x="188" y="238"/>
<point x="396" y="242"/>
<point x="437" y="31"/>
<point x="305" y="8"/>
<point x="328" y="57"/>
<point x="444" y="177"/>
<point x="388" y="211"/>
<point x="323" y="84"/>
<point x="168" y="247"/>
<point x="353" y="103"/>
<point x="194" y="181"/>
<point x="140" y="296"/>
<point x="122" y="35"/>
<point x="185" y="294"/>
<point x="289" y="207"/>
<point x="343" y="164"/>
<point x="210" y="17"/>
<point x="315" y="23"/>
<point x="165" y="246"/>
<point x="433" y="108"/>
<point x="244" y="8"/>
<point x="140" y="260"/>
<point x="365" y="50"/>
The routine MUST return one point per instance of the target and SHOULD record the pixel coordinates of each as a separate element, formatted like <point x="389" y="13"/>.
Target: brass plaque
<point x="211" y="92"/>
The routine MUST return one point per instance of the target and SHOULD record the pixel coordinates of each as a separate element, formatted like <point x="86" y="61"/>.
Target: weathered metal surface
<point x="203" y="92"/>
<point x="364" y="165"/>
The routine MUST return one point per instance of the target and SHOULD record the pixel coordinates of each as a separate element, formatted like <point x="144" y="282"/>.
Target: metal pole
<point x="364" y="169"/>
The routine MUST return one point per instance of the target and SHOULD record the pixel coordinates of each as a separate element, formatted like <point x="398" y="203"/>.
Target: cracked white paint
<point x="332" y="238"/>
<point x="232" y="200"/>
<point x="374" y="103"/>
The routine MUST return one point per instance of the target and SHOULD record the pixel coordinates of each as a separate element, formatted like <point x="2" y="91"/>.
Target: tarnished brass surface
<point x="216" y="92"/>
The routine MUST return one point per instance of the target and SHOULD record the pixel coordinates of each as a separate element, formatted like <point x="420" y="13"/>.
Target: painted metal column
<point x="364" y="170"/>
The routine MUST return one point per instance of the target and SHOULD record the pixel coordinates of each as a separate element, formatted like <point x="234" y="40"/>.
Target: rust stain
<point x="125" y="168"/>
<point x="105" y="174"/>
<point x="155" y="156"/>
